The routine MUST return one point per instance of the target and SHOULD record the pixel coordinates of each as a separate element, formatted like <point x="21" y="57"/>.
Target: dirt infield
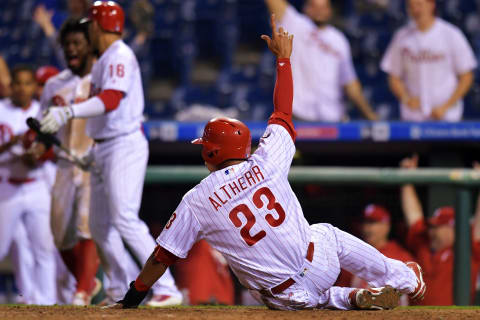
<point x="227" y="313"/>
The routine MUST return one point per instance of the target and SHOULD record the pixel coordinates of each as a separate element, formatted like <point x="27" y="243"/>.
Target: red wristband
<point x="283" y="60"/>
<point x="140" y="286"/>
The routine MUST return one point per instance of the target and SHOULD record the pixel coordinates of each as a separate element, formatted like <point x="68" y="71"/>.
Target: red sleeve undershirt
<point x="283" y="97"/>
<point x="110" y="98"/>
<point x="164" y="256"/>
<point x="161" y="255"/>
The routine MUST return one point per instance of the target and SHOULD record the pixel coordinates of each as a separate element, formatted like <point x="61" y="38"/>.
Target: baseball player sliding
<point x="247" y="210"/>
<point x="120" y="152"/>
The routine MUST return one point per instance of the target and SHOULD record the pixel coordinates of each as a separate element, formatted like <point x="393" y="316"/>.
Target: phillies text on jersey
<point x="429" y="63"/>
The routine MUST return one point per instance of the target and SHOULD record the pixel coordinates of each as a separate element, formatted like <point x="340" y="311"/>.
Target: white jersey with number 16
<point x="117" y="69"/>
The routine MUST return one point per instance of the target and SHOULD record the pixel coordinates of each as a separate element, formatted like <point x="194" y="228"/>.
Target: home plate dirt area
<point x="225" y="313"/>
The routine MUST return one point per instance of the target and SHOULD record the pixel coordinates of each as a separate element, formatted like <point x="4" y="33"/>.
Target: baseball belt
<point x="289" y="282"/>
<point x="18" y="181"/>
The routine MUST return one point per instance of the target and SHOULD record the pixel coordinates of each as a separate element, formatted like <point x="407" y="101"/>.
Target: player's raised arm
<point x="277" y="7"/>
<point x="281" y="46"/>
<point x="412" y="208"/>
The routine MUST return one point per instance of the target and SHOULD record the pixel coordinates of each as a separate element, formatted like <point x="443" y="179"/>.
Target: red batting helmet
<point x="44" y="73"/>
<point x="108" y="14"/>
<point x="224" y="139"/>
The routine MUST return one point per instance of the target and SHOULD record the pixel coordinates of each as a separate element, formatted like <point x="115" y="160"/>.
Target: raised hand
<point x="410" y="163"/>
<point x="281" y="42"/>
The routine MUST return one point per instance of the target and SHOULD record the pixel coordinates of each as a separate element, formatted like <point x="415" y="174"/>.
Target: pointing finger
<point x="274" y="25"/>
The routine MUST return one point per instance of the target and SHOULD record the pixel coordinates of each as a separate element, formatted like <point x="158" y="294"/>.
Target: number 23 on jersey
<point x="244" y="210"/>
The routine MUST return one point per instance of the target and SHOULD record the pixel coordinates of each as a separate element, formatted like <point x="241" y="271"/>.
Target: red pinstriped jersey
<point x="249" y="213"/>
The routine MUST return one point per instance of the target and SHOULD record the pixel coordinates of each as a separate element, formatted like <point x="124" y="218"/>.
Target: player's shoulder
<point x="34" y="107"/>
<point x="59" y="79"/>
<point x="338" y="38"/>
<point x="404" y="32"/>
<point x="447" y="27"/>
<point x="188" y="200"/>
<point x="335" y="32"/>
<point x="396" y="251"/>
<point x="393" y="245"/>
<point x="118" y="51"/>
<point x="292" y="16"/>
<point x="5" y="104"/>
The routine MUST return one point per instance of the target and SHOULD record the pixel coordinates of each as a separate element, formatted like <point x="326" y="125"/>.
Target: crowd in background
<point x="391" y="60"/>
<point x="429" y="241"/>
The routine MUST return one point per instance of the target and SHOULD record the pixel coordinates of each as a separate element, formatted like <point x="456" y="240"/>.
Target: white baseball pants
<point x="70" y="207"/>
<point x="28" y="204"/>
<point x="115" y="203"/>
<point x="335" y="249"/>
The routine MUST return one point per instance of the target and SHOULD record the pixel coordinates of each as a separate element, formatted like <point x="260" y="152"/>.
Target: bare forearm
<point x="152" y="271"/>
<point x="355" y="93"/>
<point x="464" y="83"/>
<point x="277" y="7"/>
<point x="5" y="79"/>
<point x="411" y="206"/>
<point x="398" y="88"/>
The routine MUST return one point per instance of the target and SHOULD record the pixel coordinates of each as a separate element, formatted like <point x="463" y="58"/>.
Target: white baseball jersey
<point x="65" y="89"/>
<point x="249" y="213"/>
<point x="71" y="191"/>
<point x="12" y="123"/>
<point x="117" y="69"/>
<point x="428" y="63"/>
<point x="321" y="66"/>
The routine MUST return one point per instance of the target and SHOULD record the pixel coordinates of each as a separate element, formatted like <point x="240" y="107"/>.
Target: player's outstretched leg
<point x="111" y="250"/>
<point x="368" y="263"/>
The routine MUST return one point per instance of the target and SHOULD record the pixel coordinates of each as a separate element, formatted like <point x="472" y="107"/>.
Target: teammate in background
<point x="71" y="191"/>
<point x="44" y="18"/>
<point x="42" y="75"/>
<point x="20" y="251"/>
<point x="25" y="197"/>
<point x="429" y="63"/>
<point x="375" y="228"/>
<point x="247" y="210"/>
<point x="5" y="79"/>
<point x="322" y="63"/>
<point x="120" y="152"/>
<point x="431" y="241"/>
<point x="204" y="276"/>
